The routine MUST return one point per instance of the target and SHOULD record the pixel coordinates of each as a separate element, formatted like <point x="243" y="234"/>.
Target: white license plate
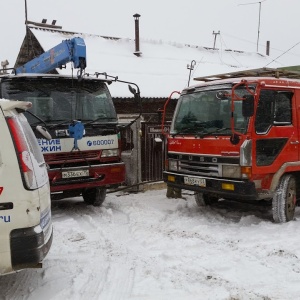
<point x="195" y="181"/>
<point x="78" y="173"/>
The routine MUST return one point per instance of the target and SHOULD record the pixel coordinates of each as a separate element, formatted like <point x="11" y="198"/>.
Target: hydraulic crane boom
<point x="72" y="50"/>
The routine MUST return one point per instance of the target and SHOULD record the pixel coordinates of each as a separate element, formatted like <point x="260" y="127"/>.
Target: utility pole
<point x="259" y="13"/>
<point x="215" y="33"/>
<point x="27" y="31"/>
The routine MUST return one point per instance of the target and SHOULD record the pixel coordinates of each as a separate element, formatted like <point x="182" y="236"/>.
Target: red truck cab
<point x="236" y="136"/>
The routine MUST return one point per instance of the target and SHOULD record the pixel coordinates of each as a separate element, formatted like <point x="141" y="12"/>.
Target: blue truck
<point x="84" y="153"/>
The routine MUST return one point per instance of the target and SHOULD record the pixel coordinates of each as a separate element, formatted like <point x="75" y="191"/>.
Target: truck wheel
<point x="95" y="196"/>
<point x="203" y="199"/>
<point x="284" y="200"/>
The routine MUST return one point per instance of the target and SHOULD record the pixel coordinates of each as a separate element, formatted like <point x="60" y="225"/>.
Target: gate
<point x="143" y="151"/>
<point x="152" y="151"/>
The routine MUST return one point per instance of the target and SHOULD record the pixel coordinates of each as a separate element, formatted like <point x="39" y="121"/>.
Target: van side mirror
<point x="248" y="105"/>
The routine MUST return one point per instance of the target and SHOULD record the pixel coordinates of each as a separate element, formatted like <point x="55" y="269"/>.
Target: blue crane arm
<point x="73" y="50"/>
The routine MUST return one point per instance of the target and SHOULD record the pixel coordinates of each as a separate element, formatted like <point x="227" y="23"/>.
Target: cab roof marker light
<point x="246" y="172"/>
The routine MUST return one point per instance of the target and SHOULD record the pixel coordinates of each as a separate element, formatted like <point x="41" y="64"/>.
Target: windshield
<point x="208" y="111"/>
<point x="58" y="99"/>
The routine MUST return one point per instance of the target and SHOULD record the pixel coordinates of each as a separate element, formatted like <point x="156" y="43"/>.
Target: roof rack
<point x="286" y="72"/>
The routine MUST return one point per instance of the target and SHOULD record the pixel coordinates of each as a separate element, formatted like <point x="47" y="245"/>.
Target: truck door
<point x="275" y="136"/>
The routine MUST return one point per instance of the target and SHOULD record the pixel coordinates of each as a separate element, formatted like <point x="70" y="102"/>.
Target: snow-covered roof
<point x="162" y="67"/>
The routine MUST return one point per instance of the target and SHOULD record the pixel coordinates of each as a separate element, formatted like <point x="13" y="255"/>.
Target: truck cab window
<point x="274" y="109"/>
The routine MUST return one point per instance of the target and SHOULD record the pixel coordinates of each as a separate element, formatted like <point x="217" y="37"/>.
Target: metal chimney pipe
<point x="268" y="48"/>
<point x="137" y="35"/>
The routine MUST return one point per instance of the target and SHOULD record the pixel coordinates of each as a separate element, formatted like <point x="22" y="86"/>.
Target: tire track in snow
<point x="105" y="279"/>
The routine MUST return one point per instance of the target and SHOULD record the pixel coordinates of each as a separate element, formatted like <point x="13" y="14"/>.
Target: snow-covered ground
<point x="146" y="246"/>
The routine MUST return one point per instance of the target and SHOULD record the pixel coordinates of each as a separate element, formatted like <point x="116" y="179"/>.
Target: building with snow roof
<point x="160" y="68"/>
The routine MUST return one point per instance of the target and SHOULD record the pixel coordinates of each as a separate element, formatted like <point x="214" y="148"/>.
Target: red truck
<point x="236" y="136"/>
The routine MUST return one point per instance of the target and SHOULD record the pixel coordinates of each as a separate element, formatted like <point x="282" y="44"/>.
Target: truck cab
<point x="236" y="136"/>
<point x="87" y="163"/>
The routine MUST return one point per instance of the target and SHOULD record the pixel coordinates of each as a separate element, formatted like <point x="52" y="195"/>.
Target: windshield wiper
<point x="61" y="123"/>
<point x="100" y="118"/>
<point x="187" y="130"/>
<point x="203" y="134"/>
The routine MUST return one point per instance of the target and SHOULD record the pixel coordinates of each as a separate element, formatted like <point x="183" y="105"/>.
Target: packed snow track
<point x="146" y="246"/>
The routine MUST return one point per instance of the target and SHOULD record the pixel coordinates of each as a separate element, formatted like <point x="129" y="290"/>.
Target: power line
<point x="249" y="42"/>
<point x="283" y="53"/>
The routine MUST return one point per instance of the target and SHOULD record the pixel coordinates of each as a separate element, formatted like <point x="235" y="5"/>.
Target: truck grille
<point x="202" y="165"/>
<point x="71" y="156"/>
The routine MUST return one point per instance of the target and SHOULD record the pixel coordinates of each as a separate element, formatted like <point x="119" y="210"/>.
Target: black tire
<point x="94" y="196"/>
<point x="203" y="199"/>
<point x="284" y="200"/>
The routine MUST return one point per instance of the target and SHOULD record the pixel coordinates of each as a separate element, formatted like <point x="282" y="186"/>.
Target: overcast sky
<point x="192" y="22"/>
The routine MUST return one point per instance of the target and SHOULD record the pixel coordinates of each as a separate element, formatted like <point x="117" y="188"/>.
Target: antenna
<point x="259" y="11"/>
<point x="191" y="67"/>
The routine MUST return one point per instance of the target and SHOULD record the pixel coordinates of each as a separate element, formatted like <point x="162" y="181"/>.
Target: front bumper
<point x="99" y="176"/>
<point x="28" y="248"/>
<point x="242" y="189"/>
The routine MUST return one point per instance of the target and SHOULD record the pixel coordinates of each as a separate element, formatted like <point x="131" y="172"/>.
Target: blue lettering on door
<point x="50" y="146"/>
<point x="6" y="219"/>
<point x="100" y="142"/>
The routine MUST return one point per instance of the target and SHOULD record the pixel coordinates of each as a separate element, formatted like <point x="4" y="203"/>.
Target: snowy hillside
<point x="147" y="247"/>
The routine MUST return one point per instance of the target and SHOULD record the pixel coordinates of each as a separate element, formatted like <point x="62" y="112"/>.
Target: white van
<point x="25" y="209"/>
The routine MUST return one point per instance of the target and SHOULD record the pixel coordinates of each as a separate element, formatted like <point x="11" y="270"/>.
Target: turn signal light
<point x="246" y="172"/>
<point x="115" y="170"/>
<point x="171" y="178"/>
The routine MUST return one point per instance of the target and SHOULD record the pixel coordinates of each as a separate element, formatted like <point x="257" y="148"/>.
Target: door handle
<point x="294" y="142"/>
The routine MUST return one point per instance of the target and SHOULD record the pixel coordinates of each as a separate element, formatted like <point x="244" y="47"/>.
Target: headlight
<point x="231" y="171"/>
<point x="109" y="152"/>
<point x="173" y="165"/>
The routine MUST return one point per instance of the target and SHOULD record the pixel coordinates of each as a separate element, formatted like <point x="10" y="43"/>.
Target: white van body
<point x="25" y="209"/>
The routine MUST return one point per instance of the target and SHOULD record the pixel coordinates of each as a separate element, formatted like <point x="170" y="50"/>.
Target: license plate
<point x="78" y="173"/>
<point x="195" y="181"/>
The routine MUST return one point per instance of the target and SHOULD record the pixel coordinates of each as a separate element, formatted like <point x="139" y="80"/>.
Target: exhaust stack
<point x="137" y="35"/>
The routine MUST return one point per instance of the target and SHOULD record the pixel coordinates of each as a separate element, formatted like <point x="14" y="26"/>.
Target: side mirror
<point x="44" y="132"/>
<point x="248" y="105"/>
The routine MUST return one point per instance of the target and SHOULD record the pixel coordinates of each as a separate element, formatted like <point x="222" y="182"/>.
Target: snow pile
<point x="145" y="246"/>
